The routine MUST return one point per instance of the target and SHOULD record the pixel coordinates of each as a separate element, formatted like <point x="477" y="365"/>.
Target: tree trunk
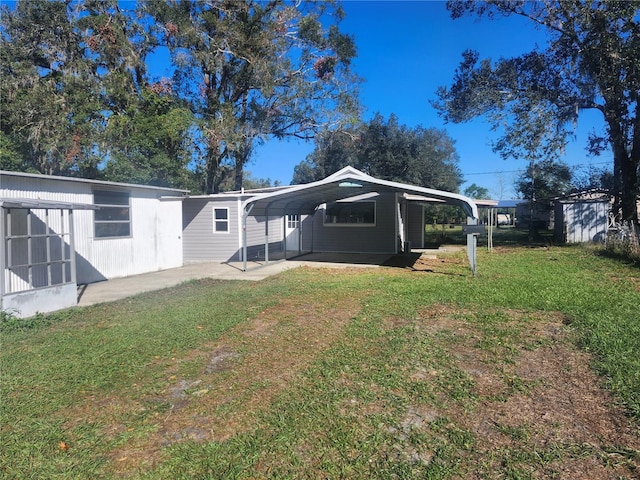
<point x="634" y="163"/>
<point x="238" y="176"/>
<point x="629" y="190"/>
<point x="243" y="152"/>
<point x="625" y="165"/>
<point x="212" y="170"/>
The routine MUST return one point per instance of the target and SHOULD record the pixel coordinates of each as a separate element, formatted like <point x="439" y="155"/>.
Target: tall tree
<point x="76" y="99"/>
<point x="539" y="184"/>
<point x="151" y="143"/>
<point x="593" y="178"/>
<point x="10" y="156"/>
<point x="476" y="191"/>
<point x="543" y="181"/>
<point x="50" y="100"/>
<point x="388" y="150"/>
<point x="254" y="70"/>
<point x="589" y="63"/>
<point x="333" y="151"/>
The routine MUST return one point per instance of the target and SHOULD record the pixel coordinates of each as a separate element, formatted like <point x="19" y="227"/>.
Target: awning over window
<point x="37" y="203"/>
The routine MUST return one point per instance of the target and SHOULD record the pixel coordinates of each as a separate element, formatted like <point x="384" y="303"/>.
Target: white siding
<point x="155" y="242"/>
<point x="582" y="221"/>
<point x="156" y="238"/>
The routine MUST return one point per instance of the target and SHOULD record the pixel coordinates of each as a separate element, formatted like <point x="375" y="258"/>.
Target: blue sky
<point x="406" y="49"/>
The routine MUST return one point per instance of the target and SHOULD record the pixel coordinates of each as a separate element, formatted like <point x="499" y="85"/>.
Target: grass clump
<point x="10" y="321"/>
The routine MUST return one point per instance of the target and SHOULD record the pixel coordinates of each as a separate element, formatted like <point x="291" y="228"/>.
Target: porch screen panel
<point x="37" y="246"/>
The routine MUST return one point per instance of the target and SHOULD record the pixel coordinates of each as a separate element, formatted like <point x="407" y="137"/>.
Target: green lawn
<point x="530" y="370"/>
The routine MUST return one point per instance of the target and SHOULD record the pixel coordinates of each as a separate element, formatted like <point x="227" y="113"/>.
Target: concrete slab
<point x="344" y="260"/>
<point x="118" y="288"/>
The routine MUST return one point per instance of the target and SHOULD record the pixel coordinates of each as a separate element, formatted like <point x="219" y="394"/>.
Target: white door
<point x="293" y="232"/>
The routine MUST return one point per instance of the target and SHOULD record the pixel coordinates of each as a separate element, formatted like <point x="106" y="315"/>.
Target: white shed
<point x="581" y="221"/>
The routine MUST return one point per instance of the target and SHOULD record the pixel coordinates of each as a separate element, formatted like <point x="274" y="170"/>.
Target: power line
<point x="520" y="170"/>
<point x="493" y="173"/>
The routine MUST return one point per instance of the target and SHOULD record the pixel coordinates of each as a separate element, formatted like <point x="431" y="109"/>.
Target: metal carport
<point x="347" y="183"/>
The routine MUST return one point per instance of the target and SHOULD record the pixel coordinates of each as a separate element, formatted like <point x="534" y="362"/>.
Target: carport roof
<point x="346" y="183"/>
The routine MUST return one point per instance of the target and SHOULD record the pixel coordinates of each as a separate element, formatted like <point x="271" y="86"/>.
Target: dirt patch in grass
<point x="635" y="281"/>
<point x="231" y="380"/>
<point x="540" y="410"/>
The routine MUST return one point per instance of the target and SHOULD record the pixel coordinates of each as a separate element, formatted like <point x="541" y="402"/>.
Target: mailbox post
<point x="472" y="230"/>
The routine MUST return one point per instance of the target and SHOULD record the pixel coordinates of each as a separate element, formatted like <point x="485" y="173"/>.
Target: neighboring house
<point x="60" y="232"/>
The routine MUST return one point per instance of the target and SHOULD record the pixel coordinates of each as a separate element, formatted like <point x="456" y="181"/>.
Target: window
<point x="221" y="220"/>
<point x="293" y="221"/>
<point x="351" y="214"/>
<point x="113" y="218"/>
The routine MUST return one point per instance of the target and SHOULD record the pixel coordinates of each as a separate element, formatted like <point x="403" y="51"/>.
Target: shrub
<point x="622" y="241"/>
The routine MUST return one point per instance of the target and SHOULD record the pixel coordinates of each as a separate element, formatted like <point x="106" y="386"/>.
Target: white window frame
<point x="216" y="220"/>
<point x="326" y="217"/>
<point x="121" y="206"/>
<point x="293" y="221"/>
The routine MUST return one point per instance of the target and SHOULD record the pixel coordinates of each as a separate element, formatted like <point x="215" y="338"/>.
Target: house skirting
<point x="41" y="300"/>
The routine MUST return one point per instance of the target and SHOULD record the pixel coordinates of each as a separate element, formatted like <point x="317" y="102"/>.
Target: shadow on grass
<point x="403" y="260"/>
<point x="627" y="259"/>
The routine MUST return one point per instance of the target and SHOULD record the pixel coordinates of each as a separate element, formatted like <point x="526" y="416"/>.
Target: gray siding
<point x="307" y="225"/>
<point x="202" y="244"/>
<point x="380" y="238"/>
<point x="256" y="236"/>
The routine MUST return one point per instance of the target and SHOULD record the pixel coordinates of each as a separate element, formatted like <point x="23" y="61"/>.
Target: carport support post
<point x="285" y="218"/>
<point x="245" y="214"/>
<point x="472" y="243"/>
<point x="266" y="236"/>
<point x="299" y="233"/>
<point x="492" y="214"/>
<point x="3" y="215"/>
